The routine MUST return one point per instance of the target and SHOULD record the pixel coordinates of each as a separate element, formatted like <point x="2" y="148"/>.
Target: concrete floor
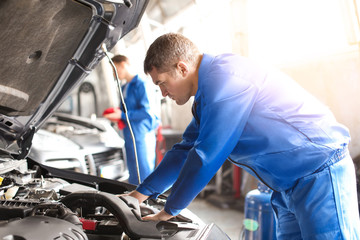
<point x="226" y="213"/>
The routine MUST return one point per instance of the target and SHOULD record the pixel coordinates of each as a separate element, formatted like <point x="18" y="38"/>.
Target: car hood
<point x="47" y="48"/>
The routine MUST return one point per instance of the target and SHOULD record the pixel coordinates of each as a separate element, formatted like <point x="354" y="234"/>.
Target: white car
<point x="91" y="146"/>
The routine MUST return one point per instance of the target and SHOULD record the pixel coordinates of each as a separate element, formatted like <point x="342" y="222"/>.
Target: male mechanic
<point x="260" y="120"/>
<point x="143" y="119"/>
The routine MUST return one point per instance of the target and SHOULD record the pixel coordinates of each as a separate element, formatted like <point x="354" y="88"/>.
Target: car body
<point x="47" y="48"/>
<point x="92" y="146"/>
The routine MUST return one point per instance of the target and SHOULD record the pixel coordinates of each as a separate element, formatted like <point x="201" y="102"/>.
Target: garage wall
<point x="335" y="80"/>
<point x="315" y="42"/>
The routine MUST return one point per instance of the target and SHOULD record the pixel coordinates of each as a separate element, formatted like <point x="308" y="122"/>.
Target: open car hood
<point x="47" y="48"/>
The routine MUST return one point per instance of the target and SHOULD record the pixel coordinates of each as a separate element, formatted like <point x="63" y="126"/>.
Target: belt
<point x="336" y="157"/>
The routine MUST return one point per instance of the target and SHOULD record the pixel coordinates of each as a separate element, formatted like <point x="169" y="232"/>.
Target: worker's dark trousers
<point x="322" y="205"/>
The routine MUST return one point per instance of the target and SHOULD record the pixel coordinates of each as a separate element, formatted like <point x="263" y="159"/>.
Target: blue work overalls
<point x="263" y="121"/>
<point x="143" y="121"/>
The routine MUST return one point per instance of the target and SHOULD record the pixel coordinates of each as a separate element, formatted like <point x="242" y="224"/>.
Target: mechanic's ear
<point x="183" y="68"/>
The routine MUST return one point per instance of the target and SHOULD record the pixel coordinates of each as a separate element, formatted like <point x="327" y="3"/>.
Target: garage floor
<point x="224" y="211"/>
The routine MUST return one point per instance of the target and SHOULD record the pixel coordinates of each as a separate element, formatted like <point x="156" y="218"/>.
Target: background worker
<point x="138" y="96"/>
<point x="263" y="121"/>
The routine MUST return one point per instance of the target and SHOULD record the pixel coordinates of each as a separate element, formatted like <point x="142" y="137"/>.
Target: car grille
<point x="95" y="162"/>
<point x="104" y="157"/>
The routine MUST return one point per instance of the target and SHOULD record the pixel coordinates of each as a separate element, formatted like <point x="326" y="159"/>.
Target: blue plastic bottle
<point x="259" y="221"/>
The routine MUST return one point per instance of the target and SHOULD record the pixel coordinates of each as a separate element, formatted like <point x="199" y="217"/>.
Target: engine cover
<point x="48" y="228"/>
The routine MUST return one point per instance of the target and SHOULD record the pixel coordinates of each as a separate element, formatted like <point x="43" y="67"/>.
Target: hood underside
<point x="47" y="48"/>
<point x="47" y="35"/>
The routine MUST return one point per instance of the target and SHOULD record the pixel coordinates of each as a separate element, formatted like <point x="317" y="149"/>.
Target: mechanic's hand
<point x="113" y="114"/>
<point x="139" y="196"/>
<point x="160" y="216"/>
<point x="113" y="117"/>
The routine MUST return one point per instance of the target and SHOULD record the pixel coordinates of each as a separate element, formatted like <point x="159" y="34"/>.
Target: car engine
<point x="36" y="207"/>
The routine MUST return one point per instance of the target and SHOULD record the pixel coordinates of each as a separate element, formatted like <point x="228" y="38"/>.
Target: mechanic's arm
<point x="139" y="196"/>
<point x="113" y="116"/>
<point x="169" y="168"/>
<point x="210" y="151"/>
<point x="167" y="172"/>
<point x="214" y="144"/>
<point x="221" y="124"/>
<point x="160" y="216"/>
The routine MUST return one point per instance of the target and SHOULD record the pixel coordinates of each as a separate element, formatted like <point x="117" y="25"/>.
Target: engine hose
<point x="8" y="182"/>
<point x="125" y="209"/>
<point x="63" y="212"/>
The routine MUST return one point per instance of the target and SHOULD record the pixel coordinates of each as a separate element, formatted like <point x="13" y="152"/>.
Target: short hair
<point x="119" y="59"/>
<point x="165" y="52"/>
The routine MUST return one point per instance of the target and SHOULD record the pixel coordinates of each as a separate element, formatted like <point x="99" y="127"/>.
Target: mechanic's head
<point x="172" y="62"/>
<point x="122" y="65"/>
<point x="167" y="50"/>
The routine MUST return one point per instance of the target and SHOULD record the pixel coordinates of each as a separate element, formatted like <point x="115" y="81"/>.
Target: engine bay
<point x="37" y="204"/>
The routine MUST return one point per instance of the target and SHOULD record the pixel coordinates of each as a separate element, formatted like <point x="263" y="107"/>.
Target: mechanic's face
<point x="176" y="85"/>
<point x="121" y="71"/>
